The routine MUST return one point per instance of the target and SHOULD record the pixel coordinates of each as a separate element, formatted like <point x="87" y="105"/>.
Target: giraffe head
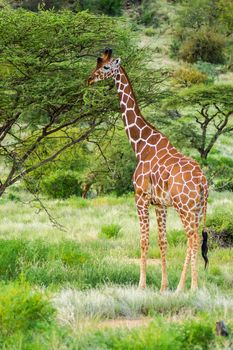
<point x="106" y="67"/>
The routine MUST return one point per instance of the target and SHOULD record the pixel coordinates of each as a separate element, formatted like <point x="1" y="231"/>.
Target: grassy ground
<point x="89" y="280"/>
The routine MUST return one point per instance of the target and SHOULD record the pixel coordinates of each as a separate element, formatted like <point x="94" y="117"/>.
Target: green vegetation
<point x="61" y="185"/>
<point x="63" y="152"/>
<point x="160" y="334"/>
<point x="186" y="76"/>
<point x="110" y="231"/>
<point x="22" y="309"/>
<point x="203" y="45"/>
<point x="45" y="91"/>
<point x="202" y="31"/>
<point x="210" y="116"/>
<point x="221" y="225"/>
<point x="71" y="282"/>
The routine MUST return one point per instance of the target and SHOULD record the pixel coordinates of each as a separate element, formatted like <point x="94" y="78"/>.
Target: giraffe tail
<point x="204" y="246"/>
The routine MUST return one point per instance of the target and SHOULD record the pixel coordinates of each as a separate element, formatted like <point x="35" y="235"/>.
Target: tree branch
<point x="55" y="155"/>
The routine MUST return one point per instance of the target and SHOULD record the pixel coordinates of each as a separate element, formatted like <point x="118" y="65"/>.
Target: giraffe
<point x="163" y="177"/>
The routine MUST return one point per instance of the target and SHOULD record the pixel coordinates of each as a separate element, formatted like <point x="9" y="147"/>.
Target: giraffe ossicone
<point x="163" y="177"/>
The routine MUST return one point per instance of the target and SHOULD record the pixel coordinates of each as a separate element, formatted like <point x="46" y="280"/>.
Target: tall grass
<point x="92" y="278"/>
<point x="111" y="303"/>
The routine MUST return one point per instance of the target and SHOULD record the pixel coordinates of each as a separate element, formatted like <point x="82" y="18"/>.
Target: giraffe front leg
<point x="161" y="214"/>
<point x="143" y="214"/>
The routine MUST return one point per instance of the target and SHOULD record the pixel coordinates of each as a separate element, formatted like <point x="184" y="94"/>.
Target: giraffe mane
<point x="137" y="107"/>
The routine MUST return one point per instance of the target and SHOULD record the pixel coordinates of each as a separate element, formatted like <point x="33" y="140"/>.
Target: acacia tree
<point x="45" y="104"/>
<point x="206" y="113"/>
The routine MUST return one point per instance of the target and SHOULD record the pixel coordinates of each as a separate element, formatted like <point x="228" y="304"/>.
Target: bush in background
<point x="220" y="225"/>
<point x="148" y="14"/>
<point x="61" y="184"/>
<point x="107" y="7"/>
<point x="150" y="31"/>
<point x="175" y="47"/>
<point x="205" y="45"/>
<point x="187" y="76"/>
<point x="208" y="69"/>
<point x="224" y="185"/>
<point x="219" y="172"/>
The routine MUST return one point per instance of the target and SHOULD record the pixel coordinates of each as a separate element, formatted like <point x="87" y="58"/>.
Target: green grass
<point x="158" y="335"/>
<point x="88" y="278"/>
<point x="110" y="231"/>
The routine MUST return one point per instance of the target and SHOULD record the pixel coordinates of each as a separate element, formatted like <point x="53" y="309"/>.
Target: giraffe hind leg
<point x="181" y="284"/>
<point x="190" y="225"/>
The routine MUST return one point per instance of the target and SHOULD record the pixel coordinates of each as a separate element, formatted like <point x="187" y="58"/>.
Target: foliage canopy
<point x="46" y="58"/>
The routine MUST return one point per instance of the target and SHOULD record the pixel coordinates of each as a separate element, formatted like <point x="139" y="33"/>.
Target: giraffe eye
<point x="106" y="67"/>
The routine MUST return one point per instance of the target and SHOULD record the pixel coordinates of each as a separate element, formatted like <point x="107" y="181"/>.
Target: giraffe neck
<point x="137" y="128"/>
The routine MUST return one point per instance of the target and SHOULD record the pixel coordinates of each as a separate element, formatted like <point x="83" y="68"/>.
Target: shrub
<point x="22" y="309"/>
<point x="148" y="14"/>
<point x="208" y="69"/>
<point x="220" y="224"/>
<point x="148" y="18"/>
<point x="196" y="332"/>
<point x="224" y="185"/>
<point x="205" y="45"/>
<point x="61" y="185"/>
<point x="149" y="31"/>
<point x="187" y="76"/>
<point x="110" y="231"/>
<point x="13" y="197"/>
<point x="71" y="255"/>
<point x="110" y="8"/>
<point x="175" y="47"/>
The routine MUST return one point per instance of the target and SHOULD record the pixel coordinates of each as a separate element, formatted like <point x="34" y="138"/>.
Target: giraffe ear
<point x="117" y="62"/>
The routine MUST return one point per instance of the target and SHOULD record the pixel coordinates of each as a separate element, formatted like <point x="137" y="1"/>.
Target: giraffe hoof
<point x="194" y="288"/>
<point x="179" y="290"/>
<point x="142" y="286"/>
